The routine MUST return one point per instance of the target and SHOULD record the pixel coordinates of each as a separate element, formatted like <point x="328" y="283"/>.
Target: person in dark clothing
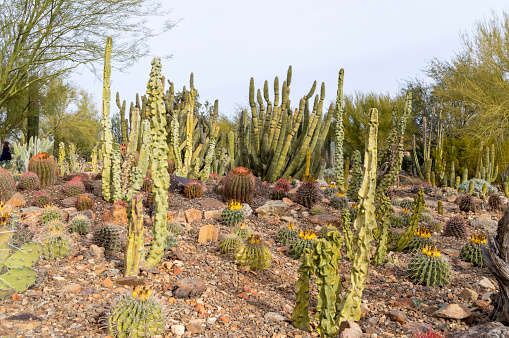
<point x="6" y="152"/>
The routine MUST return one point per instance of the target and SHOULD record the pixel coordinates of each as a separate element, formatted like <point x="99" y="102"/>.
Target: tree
<point x="42" y="39"/>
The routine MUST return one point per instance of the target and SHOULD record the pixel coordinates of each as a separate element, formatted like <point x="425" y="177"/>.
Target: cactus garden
<point x="175" y="227"/>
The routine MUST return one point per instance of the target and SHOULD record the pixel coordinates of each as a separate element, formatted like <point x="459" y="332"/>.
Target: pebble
<point x="178" y="330"/>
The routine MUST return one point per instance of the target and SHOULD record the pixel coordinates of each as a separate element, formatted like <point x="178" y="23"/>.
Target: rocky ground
<point x="72" y="296"/>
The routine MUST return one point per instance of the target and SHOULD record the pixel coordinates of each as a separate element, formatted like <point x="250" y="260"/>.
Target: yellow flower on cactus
<point x="291" y="225"/>
<point x="405" y="211"/>
<point x="431" y="251"/>
<point x="422" y="232"/>
<point x="142" y="292"/>
<point x="340" y="194"/>
<point x="233" y="205"/>
<point x="332" y="185"/>
<point x="307" y="234"/>
<point x="478" y="239"/>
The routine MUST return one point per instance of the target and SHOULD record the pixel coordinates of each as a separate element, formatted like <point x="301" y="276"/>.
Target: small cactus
<point x="254" y="254"/>
<point x="420" y="240"/>
<point x="229" y="243"/>
<point x="455" y="227"/>
<point x="471" y="252"/>
<point x="283" y="184"/>
<point x="495" y="202"/>
<point x="46" y="168"/>
<point x="429" y="268"/>
<point x="339" y="201"/>
<point x="171" y="241"/>
<point x="84" y="202"/>
<point x="287" y="234"/>
<point x="147" y="183"/>
<point x="107" y="237"/>
<point x="80" y="224"/>
<point x="239" y="185"/>
<point x="74" y="187"/>
<point x="29" y="181"/>
<point x="330" y="191"/>
<point x="42" y="199"/>
<point x="243" y="231"/>
<point x="56" y="246"/>
<point x="304" y="241"/>
<point x="466" y="203"/>
<point x="325" y="230"/>
<point x="174" y="228"/>
<point x="233" y="214"/>
<point x="308" y="194"/>
<point x="277" y="193"/>
<point x="7" y="185"/>
<point x="193" y="189"/>
<point x="50" y="213"/>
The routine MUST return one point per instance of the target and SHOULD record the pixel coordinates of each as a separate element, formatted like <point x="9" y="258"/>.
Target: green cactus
<point x="46" y="168"/>
<point x="74" y="187"/>
<point x="56" y="246"/>
<point x="471" y="187"/>
<point x="484" y="189"/>
<point x="174" y="228"/>
<point x="471" y="252"/>
<point x="29" y="181"/>
<point x="243" y="232"/>
<point x="232" y="217"/>
<point x="84" y="202"/>
<point x="347" y="231"/>
<point x="50" y="213"/>
<point x="229" y="243"/>
<point x="136" y="314"/>
<point x="305" y="240"/>
<point x="308" y="194"/>
<point x="440" y="208"/>
<point x="116" y="186"/>
<point x="506" y="189"/>
<point x="455" y="227"/>
<point x="239" y="185"/>
<point x="383" y="240"/>
<point x="41" y="199"/>
<point x="429" y="268"/>
<point x="106" y="135"/>
<point x="171" y="241"/>
<point x="325" y="230"/>
<point x="93" y="159"/>
<point x="495" y="202"/>
<point x="339" y="202"/>
<point x="108" y="237"/>
<point x="80" y="224"/>
<point x="467" y="204"/>
<point x="355" y="181"/>
<point x="254" y="254"/>
<point x="330" y="191"/>
<point x="61" y="159"/>
<point x="340" y="132"/>
<point x="420" y="240"/>
<point x="193" y="189"/>
<point x="405" y="238"/>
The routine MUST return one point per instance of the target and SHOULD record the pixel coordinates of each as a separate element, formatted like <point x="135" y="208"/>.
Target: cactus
<point x="287" y="234"/>
<point x="7" y="185"/>
<point x="149" y="199"/>
<point x="440" y="208"/>
<point x="229" y="243"/>
<point x="50" y="213"/>
<point x="405" y="238"/>
<point x="330" y="191"/>
<point x="495" y="202"/>
<point x="506" y="189"/>
<point x="159" y="162"/>
<point x="93" y="159"/>
<point x="355" y="181"/>
<point x="56" y="246"/>
<point x="171" y="166"/>
<point x="472" y="252"/>
<point x="384" y="237"/>
<point x="420" y="240"/>
<point x="254" y="254"/>
<point x="171" y="241"/>
<point x="74" y="187"/>
<point x="406" y="203"/>
<point x="29" y="181"/>
<point x="193" y="189"/>
<point x="466" y="203"/>
<point x="106" y="135"/>
<point x="277" y="193"/>
<point x="136" y="314"/>
<point x="339" y="202"/>
<point x="317" y="210"/>
<point x="429" y="268"/>
<point x="305" y="240"/>
<point x="84" y="202"/>
<point x="239" y="185"/>
<point x="174" y="228"/>
<point x="308" y="194"/>
<point x="340" y="133"/>
<point x="243" y="232"/>
<point x="80" y="224"/>
<point x="116" y="181"/>
<point x="108" y="237"/>
<point x="23" y="153"/>
<point x="42" y="199"/>
<point x="283" y="184"/>
<point x="233" y="214"/>
<point x="471" y="187"/>
<point x="325" y="230"/>
<point x="455" y="227"/>
<point x="46" y="168"/>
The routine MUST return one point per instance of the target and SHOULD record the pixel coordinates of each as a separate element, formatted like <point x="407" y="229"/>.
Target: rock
<point x="189" y="288"/>
<point x="288" y="201"/>
<point x="273" y="208"/>
<point x="130" y="281"/>
<point x="323" y="219"/>
<point x="247" y="210"/>
<point x="208" y="233"/>
<point x="224" y="319"/>
<point x="72" y="288"/>
<point x="274" y="316"/>
<point x="68" y="202"/>
<point x="178" y="330"/>
<point x="452" y="311"/>
<point x="485" y="283"/>
<point x="488" y="330"/>
<point x="177" y="216"/>
<point x="16" y="201"/>
<point x="194" y="328"/>
<point x="289" y="219"/>
<point x="211" y="321"/>
<point x="97" y="251"/>
<point x="468" y="294"/>
<point x="107" y="282"/>
<point x="97" y="188"/>
<point x="211" y="203"/>
<point x="397" y="316"/>
<point x="416" y="327"/>
<point x="349" y="329"/>
<point x="117" y="215"/>
<point x="150" y="269"/>
<point x="192" y="215"/>
<point x="404" y="302"/>
<point x="451" y="252"/>
<point x="212" y="214"/>
<point x="31" y="215"/>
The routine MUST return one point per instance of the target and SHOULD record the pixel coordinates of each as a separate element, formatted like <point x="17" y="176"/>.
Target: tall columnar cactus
<point x="355" y="181"/>
<point x="346" y="223"/>
<point x="45" y="166"/>
<point x="414" y="223"/>
<point x="7" y="185"/>
<point x="61" y="158"/>
<point x="107" y="136"/>
<point x="72" y="157"/>
<point x="340" y="132"/>
<point x="453" y="175"/>
<point x="159" y="162"/>
<point x="116" y="186"/>
<point x="381" y="247"/>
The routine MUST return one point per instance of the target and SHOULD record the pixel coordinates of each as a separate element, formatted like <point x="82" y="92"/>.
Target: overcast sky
<point x="379" y="43"/>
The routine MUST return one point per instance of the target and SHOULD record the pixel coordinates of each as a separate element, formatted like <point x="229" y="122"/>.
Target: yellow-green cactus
<point x="414" y="222"/>
<point x="107" y="136"/>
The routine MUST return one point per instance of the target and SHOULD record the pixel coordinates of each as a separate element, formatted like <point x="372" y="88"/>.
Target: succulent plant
<point x="330" y="191"/>
<point x="239" y="185"/>
<point x="425" y="216"/>
<point x="233" y="214"/>
<point x="171" y="241"/>
<point x="243" y="231"/>
<point x="21" y="235"/>
<point x="287" y="234"/>
<point x="84" y="202"/>
<point x="254" y="254"/>
<point x="466" y="203"/>
<point x="406" y="203"/>
<point x="325" y="230"/>
<point x="495" y="202"/>
<point x="277" y="193"/>
<point x="455" y="227"/>
<point x="308" y="194"/>
<point x="7" y="185"/>
<point x="74" y="187"/>
<point x="108" y="237"/>
<point x="147" y="183"/>
<point x="229" y="243"/>
<point x="174" y="228"/>
<point x="420" y="240"/>
<point x="149" y="199"/>
<point x="339" y="201"/>
<point x="429" y="268"/>
<point x="283" y="184"/>
<point x="56" y="245"/>
<point x="477" y="186"/>
<point x="46" y="168"/>
<point x="80" y="224"/>
<point x="193" y="189"/>
<point x="29" y="181"/>
<point x="136" y="314"/>
<point x="50" y="213"/>
<point x="471" y="252"/>
<point x="317" y="210"/>
<point x="304" y="241"/>
<point x="435" y="224"/>
<point x="42" y="199"/>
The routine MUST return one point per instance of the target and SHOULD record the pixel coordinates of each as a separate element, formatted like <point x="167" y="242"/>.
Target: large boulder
<point x="273" y="208"/>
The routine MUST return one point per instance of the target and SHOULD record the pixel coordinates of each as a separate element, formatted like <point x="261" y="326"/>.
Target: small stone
<point x="72" y="288"/>
<point x="274" y="316"/>
<point x="485" y="283"/>
<point x="416" y="327"/>
<point x="16" y="201"/>
<point x="403" y="302"/>
<point x="178" y="330"/>
<point x="211" y="321"/>
<point x="273" y="208"/>
<point x="17" y="296"/>
<point x="348" y="328"/>
<point x="480" y="303"/>
<point x="468" y="295"/>
<point x="97" y="251"/>
<point x="452" y="311"/>
<point x="193" y="215"/>
<point x="189" y="288"/>
<point x="288" y="201"/>
<point x="397" y="316"/>
<point x="194" y="328"/>
<point x="130" y="281"/>
<point x="211" y="203"/>
<point x="177" y="270"/>
<point x="451" y="252"/>
<point x="224" y="319"/>
<point x="212" y="214"/>
<point x="247" y="210"/>
<point x="108" y="283"/>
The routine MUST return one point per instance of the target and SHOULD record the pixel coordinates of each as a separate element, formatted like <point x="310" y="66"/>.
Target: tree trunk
<point x="33" y="111"/>
<point x="496" y="257"/>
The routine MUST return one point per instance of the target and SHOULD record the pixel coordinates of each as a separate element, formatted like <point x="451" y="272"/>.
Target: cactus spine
<point x="159" y="163"/>
<point x="107" y="136"/>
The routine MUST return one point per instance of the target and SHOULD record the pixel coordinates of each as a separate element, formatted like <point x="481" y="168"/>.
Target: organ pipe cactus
<point x="116" y="186"/>
<point x="159" y="162"/>
<point x="340" y="132"/>
<point x="107" y="136"/>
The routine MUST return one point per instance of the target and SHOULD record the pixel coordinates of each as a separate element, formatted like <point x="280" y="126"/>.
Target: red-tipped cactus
<point x="7" y="185"/>
<point x="147" y="183"/>
<point x="74" y="187"/>
<point x="239" y="185"/>
<point x="29" y="181"/>
<point x="84" y="202"/>
<point x="193" y="189"/>
<point x="284" y="184"/>
<point x="278" y="193"/>
<point x="45" y="166"/>
<point x="42" y="199"/>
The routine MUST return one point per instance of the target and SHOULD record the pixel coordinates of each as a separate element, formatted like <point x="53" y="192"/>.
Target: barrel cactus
<point x="7" y="185"/>
<point x="467" y="203"/>
<point x="308" y="194"/>
<point x="283" y="184"/>
<point x="84" y="202"/>
<point x="229" y="243"/>
<point x="455" y="227"/>
<point x="74" y="187"/>
<point x="42" y="199"/>
<point x="243" y="231"/>
<point x="339" y="201"/>
<point x="254" y="254"/>
<point x="420" y="240"/>
<point x="305" y="241"/>
<point x="471" y="252"/>
<point x="108" y="237"/>
<point x="330" y="191"/>
<point x="495" y="202"/>
<point x="233" y="214"/>
<point x="171" y="241"/>
<point x="325" y="230"/>
<point x="287" y="234"/>
<point x="50" y="213"/>
<point x="148" y="183"/>
<point x="137" y="314"/>
<point x="429" y="268"/>
<point x="193" y="189"/>
<point x="46" y="168"/>
<point x="29" y="181"/>
<point x="277" y="193"/>
<point x="80" y="224"/>
<point x="56" y="246"/>
<point x="239" y="185"/>
<point x="174" y="228"/>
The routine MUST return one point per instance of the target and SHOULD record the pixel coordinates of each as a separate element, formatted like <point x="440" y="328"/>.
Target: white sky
<point x="379" y="43"/>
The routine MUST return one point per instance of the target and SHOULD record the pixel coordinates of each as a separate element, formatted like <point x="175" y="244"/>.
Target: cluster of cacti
<point x="23" y="152"/>
<point x="339" y="201"/>
<point x="46" y="168"/>
<point x="74" y="187"/>
<point x="467" y="204"/>
<point x="429" y="268"/>
<point x="488" y="170"/>
<point x="108" y="237"/>
<point x="193" y="189"/>
<point x="420" y="240"/>
<point x="455" y="227"/>
<point x="253" y="253"/>
<point x="7" y="185"/>
<point x="42" y="199"/>
<point x="406" y="203"/>
<point x="286" y="234"/>
<point x="233" y="214"/>
<point x="308" y="194"/>
<point x="229" y="243"/>
<point x="427" y="137"/>
<point x="495" y="202"/>
<point x="277" y="193"/>
<point x="72" y="157"/>
<point x="425" y="216"/>
<point x="471" y="252"/>
<point x="476" y="185"/>
<point x="239" y="185"/>
<point x="80" y="224"/>
<point x="84" y="202"/>
<point x="136" y="314"/>
<point x="149" y="199"/>
<point x="305" y="240"/>
<point x="401" y="219"/>
<point x="29" y="181"/>
<point x="243" y="231"/>
<point x="50" y="213"/>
